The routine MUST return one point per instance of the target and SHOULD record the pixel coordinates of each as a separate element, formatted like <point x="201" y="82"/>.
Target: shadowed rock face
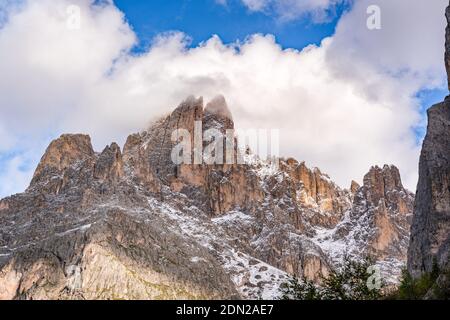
<point x="447" y="44"/>
<point x="135" y="225"/>
<point x="430" y="231"/>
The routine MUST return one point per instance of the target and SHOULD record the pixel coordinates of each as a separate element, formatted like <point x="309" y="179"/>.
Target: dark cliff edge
<point x="430" y="232"/>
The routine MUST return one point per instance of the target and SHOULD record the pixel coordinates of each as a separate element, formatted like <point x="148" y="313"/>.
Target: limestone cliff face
<point x="137" y="225"/>
<point x="447" y="44"/>
<point x="312" y="191"/>
<point x="430" y="232"/>
<point x="63" y="153"/>
<point x="387" y="206"/>
<point x="217" y="187"/>
<point x="110" y="164"/>
<point x="119" y="257"/>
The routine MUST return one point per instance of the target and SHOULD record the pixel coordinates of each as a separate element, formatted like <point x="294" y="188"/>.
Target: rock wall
<point x="430" y="231"/>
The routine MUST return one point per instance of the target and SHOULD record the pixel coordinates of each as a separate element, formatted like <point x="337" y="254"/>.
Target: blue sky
<point x="344" y="105"/>
<point x="200" y="19"/>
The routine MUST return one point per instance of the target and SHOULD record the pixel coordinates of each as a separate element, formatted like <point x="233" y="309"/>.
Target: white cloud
<point x="343" y="106"/>
<point x="409" y="45"/>
<point x="287" y="10"/>
<point x="256" y="5"/>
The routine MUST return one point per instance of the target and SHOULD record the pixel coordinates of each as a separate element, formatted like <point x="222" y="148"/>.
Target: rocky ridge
<point x="134" y="225"/>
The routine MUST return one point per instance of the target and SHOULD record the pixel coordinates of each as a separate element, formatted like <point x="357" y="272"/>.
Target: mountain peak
<point x="63" y="153"/>
<point x="388" y="178"/>
<point x="218" y="106"/>
<point x="354" y="186"/>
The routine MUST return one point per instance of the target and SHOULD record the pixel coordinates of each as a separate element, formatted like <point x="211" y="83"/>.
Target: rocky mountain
<point x="132" y="224"/>
<point x="430" y="232"/>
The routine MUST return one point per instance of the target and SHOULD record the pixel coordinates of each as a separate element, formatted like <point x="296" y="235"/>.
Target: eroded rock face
<point x="447" y="45"/>
<point x="136" y="225"/>
<point x="118" y="258"/>
<point x="149" y="153"/>
<point x="387" y="206"/>
<point x="109" y="164"/>
<point x="354" y="187"/>
<point x="376" y="225"/>
<point x="218" y="187"/>
<point x="430" y="232"/>
<point x="64" y="153"/>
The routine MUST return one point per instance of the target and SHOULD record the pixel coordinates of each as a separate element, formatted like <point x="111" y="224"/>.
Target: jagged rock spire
<point x="64" y="152"/>
<point x="381" y="182"/>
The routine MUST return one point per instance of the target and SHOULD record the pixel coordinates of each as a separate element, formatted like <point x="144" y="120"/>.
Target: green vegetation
<point x="350" y="282"/>
<point x="434" y="285"/>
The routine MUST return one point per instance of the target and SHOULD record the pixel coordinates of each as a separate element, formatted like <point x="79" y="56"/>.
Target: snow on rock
<point x="253" y="278"/>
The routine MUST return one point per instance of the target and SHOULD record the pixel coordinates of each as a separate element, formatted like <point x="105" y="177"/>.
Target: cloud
<point x="256" y="5"/>
<point x="288" y="10"/>
<point x="342" y="106"/>
<point x="409" y="45"/>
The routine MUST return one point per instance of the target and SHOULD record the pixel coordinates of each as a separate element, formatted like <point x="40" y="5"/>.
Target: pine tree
<point x="350" y="282"/>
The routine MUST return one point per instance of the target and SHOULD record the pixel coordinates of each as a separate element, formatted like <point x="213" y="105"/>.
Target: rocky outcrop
<point x="118" y="258"/>
<point x="354" y="187"/>
<point x="218" y="186"/>
<point x="149" y="154"/>
<point x="430" y="232"/>
<point x="386" y="206"/>
<point x="376" y="225"/>
<point x="138" y="225"/>
<point x="109" y="165"/>
<point x="63" y="154"/>
<point x="315" y="199"/>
